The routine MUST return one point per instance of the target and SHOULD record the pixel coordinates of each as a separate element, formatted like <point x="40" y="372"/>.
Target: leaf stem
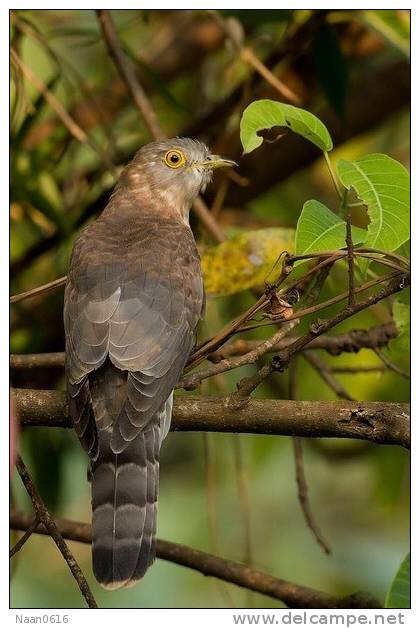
<point x="332" y="173"/>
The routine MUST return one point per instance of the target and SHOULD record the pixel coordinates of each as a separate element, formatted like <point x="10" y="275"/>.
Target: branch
<point x="394" y="285"/>
<point x="189" y="382"/>
<point x="293" y="595"/>
<point x="51" y="529"/>
<point x="248" y="55"/>
<point x="126" y="70"/>
<point x="391" y="366"/>
<point x="52" y="285"/>
<point x="326" y="373"/>
<point x="350" y="342"/>
<point x="378" y="422"/>
<point x="145" y="108"/>
<point x="71" y="125"/>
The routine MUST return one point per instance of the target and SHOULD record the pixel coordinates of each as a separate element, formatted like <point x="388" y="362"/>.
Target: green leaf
<point x="398" y="595"/>
<point x="266" y="114"/>
<point x="319" y="229"/>
<point x="383" y="184"/>
<point x="245" y="260"/>
<point x="330" y="66"/>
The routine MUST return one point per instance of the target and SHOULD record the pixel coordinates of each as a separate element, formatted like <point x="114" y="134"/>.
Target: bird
<point x="133" y="299"/>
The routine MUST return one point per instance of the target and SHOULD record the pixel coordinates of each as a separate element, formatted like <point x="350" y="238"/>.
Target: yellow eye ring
<point x="174" y="158"/>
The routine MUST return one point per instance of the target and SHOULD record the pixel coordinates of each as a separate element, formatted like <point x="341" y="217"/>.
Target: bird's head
<point x="176" y="169"/>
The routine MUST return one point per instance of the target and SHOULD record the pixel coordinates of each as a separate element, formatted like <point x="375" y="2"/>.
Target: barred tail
<point x="124" y="508"/>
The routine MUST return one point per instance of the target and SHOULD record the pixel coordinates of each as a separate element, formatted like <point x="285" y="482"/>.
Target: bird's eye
<point x="174" y="158"/>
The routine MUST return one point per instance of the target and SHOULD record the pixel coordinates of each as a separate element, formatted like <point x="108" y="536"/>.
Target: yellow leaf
<point x="245" y="261"/>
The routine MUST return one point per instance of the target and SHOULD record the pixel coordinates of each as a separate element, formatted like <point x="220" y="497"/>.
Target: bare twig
<point x="378" y="422"/>
<point x="350" y="248"/>
<point x="394" y="284"/>
<point x="303" y="496"/>
<point x="44" y="516"/>
<point x="25" y="537"/>
<point x="191" y="381"/>
<point x="37" y="360"/>
<point x="71" y="125"/>
<point x="300" y="473"/>
<point x="326" y="374"/>
<point x="248" y="55"/>
<point x="126" y="70"/>
<point x="34" y="291"/>
<point x="390" y="365"/>
<point x="293" y="595"/>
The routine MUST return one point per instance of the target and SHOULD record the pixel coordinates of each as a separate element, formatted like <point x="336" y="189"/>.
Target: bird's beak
<point x="215" y="161"/>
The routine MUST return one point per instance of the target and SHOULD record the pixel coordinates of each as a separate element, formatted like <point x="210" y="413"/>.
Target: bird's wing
<point x="140" y="306"/>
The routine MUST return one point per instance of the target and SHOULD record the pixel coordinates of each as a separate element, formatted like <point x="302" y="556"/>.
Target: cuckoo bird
<point x="133" y="299"/>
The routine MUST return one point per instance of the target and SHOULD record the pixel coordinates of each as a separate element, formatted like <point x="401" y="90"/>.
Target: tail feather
<point x="124" y="486"/>
<point x="124" y="496"/>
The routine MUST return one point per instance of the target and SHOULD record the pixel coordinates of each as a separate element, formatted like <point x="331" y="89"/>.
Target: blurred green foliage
<point x="199" y="87"/>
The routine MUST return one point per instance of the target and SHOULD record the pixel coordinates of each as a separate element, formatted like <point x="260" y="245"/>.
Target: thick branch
<point x="293" y="595"/>
<point x="378" y="422"/>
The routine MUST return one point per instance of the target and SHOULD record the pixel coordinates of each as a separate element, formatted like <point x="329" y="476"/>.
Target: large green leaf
<point x="383" y="184"/>
<point x="244" y="261"/>
<point x="398" y="595"/>
<point x="319" y="229"/>
<point x="266" y="114"/>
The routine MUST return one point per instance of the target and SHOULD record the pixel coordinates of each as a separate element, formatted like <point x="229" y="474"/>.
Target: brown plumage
<point x="133" y="299"/>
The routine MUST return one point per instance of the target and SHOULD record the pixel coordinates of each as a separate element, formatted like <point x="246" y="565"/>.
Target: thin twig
<point x="394" y="284"/>
<point x="350" y="248"/>
<point x="34" y="291"/>
<point x="247" y="54"/>
<point x="71" y="125"/>
<point x="145" y="107"/>
<point x="126" y="70"/>
<point x="191" y="381"/>
<point x="391" y="366"/>
<point x="25" y="537"/>
<point x="326" y="374"/>
<point x="303" y="495"/>
<point x="44" y="516"/>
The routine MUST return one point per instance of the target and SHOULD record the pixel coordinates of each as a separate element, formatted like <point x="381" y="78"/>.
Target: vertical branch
<point x="44" y="517"/>
<point x="145" y="108"/>
<point x="300" y="472"/>
<point x="126" y="70"/>
<point x="349" y="241"/>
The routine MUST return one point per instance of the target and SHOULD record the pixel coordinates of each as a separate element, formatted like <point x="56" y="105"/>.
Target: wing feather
<point x="137" y="302"/>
